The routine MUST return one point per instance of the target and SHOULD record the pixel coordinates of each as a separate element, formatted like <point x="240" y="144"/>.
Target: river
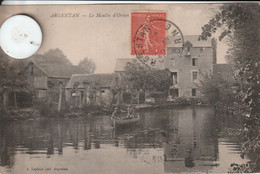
<point x="184" y="139"/>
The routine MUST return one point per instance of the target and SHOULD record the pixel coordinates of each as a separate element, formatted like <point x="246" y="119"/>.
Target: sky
<point x="103" y="39"/>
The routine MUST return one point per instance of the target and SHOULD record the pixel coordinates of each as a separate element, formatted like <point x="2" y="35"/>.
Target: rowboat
<point x="125" y="121"/>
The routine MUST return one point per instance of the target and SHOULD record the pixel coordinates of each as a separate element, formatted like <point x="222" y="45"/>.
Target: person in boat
<point x="115" y="114"/>
<point x="130" y="112"/>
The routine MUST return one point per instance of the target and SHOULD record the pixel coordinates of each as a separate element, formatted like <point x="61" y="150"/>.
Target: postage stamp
<point x="151" y="34"/>
<point x="148" y="33"/>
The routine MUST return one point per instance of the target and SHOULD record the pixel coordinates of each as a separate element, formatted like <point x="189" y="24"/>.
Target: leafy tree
<point x="221" y="93"/>
<point x="87" y="65"/>
<point x="240" y="24"/>
<point x="55" y="56"/>
<point x="162" y="80"/>
<point x="4" y="80"/>
<point x="139" y="77"/>
<point x="10" y="81"/>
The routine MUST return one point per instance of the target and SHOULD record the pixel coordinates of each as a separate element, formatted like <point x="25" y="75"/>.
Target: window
<point x="194" y="92"/>
<point x="194" y="75"/>
<point x="172" y="62"/>
<point x="194" y="61"/>
<point x="174" y="93"/>
<point x="174" y="77"/>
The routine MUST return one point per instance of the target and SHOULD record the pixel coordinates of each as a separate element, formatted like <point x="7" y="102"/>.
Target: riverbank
<point x="21" y="114"/>
<point x="30" y="113"/>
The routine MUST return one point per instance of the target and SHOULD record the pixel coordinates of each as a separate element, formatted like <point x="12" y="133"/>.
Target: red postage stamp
<point x="148" y="33"/>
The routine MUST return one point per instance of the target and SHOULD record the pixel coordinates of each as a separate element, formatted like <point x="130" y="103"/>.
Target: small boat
<point x="125" y="121"/>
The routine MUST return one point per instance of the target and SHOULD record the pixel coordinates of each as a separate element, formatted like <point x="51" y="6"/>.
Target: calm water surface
<point x="165" y="141"/>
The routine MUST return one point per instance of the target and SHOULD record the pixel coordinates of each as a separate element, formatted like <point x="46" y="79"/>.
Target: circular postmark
<point x="154" y="37"/>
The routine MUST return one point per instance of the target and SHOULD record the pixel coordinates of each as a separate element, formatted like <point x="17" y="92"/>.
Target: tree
<point x="162" y="80"/>
<point x="240" y="24"/>
<point x="4" y="79"/>
<point x="221" y="93"/>
<point x="139" y="77"/>
<point x="10" y="81"/>
<point x="55" y="56"/>
<point x="116" y="90"/>
<point x="87" y="65"/>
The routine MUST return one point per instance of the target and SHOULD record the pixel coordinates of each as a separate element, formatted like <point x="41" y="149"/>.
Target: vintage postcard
<point x="131" y="89"/>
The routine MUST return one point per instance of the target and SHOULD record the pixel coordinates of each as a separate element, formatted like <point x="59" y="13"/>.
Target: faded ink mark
<point x="33" y="43"/>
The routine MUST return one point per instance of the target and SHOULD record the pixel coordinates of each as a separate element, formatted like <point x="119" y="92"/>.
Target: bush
<point x="45" y="106"/>
<point x="158" y="94"/>
<point x="219" y="93"/>
<point x="159" y="97"/>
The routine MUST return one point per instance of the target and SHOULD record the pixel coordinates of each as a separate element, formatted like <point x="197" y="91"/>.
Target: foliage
<point x="158" y="94"/>
<point x="4" y="62"/>
<point x="162" y="80"/>
<point x="243" y="168"/>
<point x="48" y="105"/>
<point x="136" y="77"/>
<point x="140" y="77"/>
<point x="221" y="93"/>
<point x="10" y="79"/>
<point x="6" y="71"/>
<point x="87" y="65"/>
<point x="55" y="56"/>
<point x="18" y="81"/>
<point x="181" y="101"/>
<point x="187" y="101"/>
<point x="4" y="68"/>
<point x="45" y="106"/>
<point x="240" y="24"/>
<point x="116" y="89"/>
<point x="251" y="148"/>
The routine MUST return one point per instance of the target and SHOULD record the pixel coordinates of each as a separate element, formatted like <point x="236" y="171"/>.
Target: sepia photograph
<point x="130" y="88"/>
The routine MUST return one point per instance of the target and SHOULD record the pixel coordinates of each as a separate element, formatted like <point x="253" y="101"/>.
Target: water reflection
<point x="191" y="145"/>
<point x="169" y="140"/>
<point x="7" y="147"/>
